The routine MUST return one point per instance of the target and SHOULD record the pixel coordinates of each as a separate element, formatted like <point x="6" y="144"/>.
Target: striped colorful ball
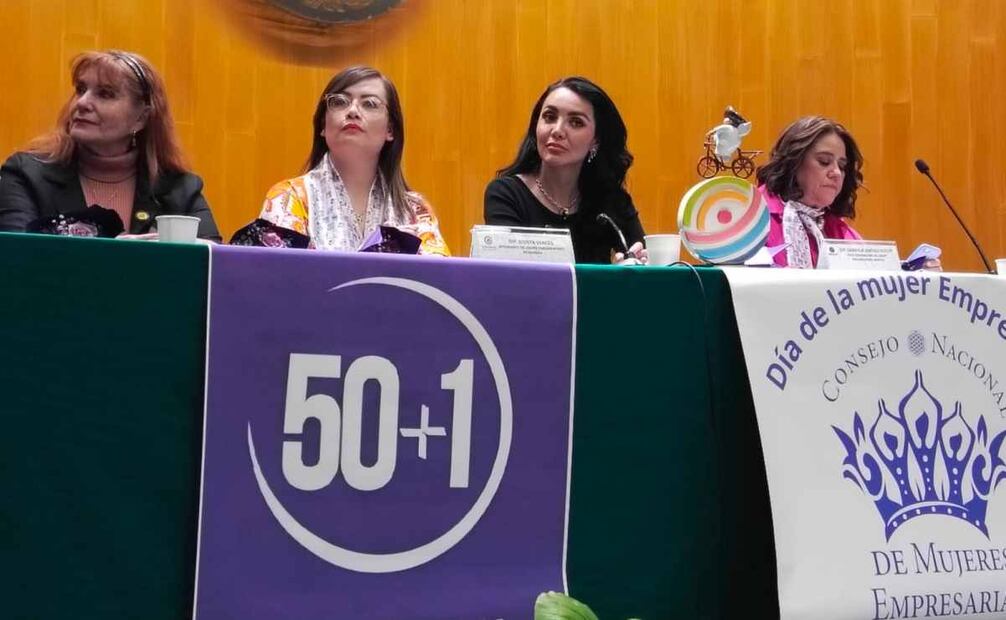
<point x="723" y="220"/>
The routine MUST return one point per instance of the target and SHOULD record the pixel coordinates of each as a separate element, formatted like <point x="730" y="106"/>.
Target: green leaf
<point x="558" y="606"/>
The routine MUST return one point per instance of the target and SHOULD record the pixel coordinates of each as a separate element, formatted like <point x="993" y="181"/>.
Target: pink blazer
<point x="834" y="228"/>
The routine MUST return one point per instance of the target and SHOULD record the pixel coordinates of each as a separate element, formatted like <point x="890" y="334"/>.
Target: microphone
<point x="923" y="168"/>
<point x="604" y="218"/>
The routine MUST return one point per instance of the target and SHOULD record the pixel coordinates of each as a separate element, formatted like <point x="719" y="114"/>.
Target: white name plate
<point x="542" y="245"/>
<point x="859" y="254"/>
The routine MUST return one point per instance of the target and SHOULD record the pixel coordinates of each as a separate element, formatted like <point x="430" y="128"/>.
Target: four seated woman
<point x="114" y="145"/>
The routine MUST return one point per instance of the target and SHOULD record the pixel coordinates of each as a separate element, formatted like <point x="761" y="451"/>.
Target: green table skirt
<point x="102" y="352"/>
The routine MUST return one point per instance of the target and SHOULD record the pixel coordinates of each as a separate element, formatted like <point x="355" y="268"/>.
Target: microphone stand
<point x="923" y="167"/>
<point x="630" y="258"/>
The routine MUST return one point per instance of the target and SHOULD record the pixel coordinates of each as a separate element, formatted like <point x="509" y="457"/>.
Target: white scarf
<point x="797" y="220"/>
<point x="332" y="222"/>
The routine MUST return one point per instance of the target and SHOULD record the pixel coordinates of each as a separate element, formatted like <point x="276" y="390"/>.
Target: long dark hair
<point x="389" y="162"/>
<point x="779" y="174"/>
<point x="604" y="177"/>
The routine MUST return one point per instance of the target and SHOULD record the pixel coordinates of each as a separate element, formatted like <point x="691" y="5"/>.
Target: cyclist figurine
<point x="727" y="135"/>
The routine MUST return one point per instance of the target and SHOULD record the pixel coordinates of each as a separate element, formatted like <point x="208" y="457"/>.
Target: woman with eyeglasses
<point x="112" y="164"/>
<point x="570" y="173"/>
<point x="353" y="182"/>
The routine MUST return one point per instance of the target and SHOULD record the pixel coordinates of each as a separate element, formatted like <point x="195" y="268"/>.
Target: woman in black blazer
<point x="114" y="146"/>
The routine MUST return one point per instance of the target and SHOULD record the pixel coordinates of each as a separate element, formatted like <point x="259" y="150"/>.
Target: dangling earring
<point x="592" y="153"/>
<point x="132" y="141"/>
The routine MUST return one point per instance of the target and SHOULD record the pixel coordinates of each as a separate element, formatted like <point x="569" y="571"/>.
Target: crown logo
<point x="923" y="461"/>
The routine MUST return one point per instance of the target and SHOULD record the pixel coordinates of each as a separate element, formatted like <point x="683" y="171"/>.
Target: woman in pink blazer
<point x="810" y="185"/>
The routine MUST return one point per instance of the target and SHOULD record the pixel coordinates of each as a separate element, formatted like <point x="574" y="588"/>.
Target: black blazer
<point x="31" y="188"/>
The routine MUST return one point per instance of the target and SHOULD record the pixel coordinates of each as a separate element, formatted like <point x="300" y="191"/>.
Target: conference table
<point x="103" y="382"/>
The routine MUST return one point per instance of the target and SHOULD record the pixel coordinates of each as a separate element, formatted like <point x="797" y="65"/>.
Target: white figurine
<point x="727" y="136"/>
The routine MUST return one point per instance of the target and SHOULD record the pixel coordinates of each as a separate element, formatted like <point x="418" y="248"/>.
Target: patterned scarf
<point x="333" y="223"/>
<point x="797" y="220"/>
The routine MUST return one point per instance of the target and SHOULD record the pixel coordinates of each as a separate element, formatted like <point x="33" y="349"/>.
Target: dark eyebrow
<point x="361" y="95"/>
<point x="552" y="108"/>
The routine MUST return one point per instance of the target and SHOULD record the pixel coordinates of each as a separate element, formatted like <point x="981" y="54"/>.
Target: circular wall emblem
<point x="336" y="11"/>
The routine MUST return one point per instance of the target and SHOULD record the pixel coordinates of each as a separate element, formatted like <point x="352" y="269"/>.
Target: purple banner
<point x="386" y="436"/>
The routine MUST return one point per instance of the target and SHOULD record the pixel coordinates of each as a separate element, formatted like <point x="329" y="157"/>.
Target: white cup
<point x="177" y="228"/>
<point x="1001" y="267"/>
<point x="663" y="249"/>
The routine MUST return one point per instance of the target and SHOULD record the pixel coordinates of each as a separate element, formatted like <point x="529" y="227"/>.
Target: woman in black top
<point x="114" y="146"/>
<point x="570" y="168"/>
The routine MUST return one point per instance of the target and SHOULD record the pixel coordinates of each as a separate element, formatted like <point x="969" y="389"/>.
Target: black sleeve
<point x="186" y="192"/>
<point x="501" y="205"/>
<point x="631" y="226"/>
<point x="634" y="229"/>
<point x="198" y="207"/>
<point x="17" y="206"/>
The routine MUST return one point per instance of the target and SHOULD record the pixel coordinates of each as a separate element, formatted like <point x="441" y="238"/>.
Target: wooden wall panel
<point x="911" y="78"/>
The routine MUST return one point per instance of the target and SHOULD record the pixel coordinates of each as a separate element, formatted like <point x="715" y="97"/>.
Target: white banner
<point x="882" y="418"/>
